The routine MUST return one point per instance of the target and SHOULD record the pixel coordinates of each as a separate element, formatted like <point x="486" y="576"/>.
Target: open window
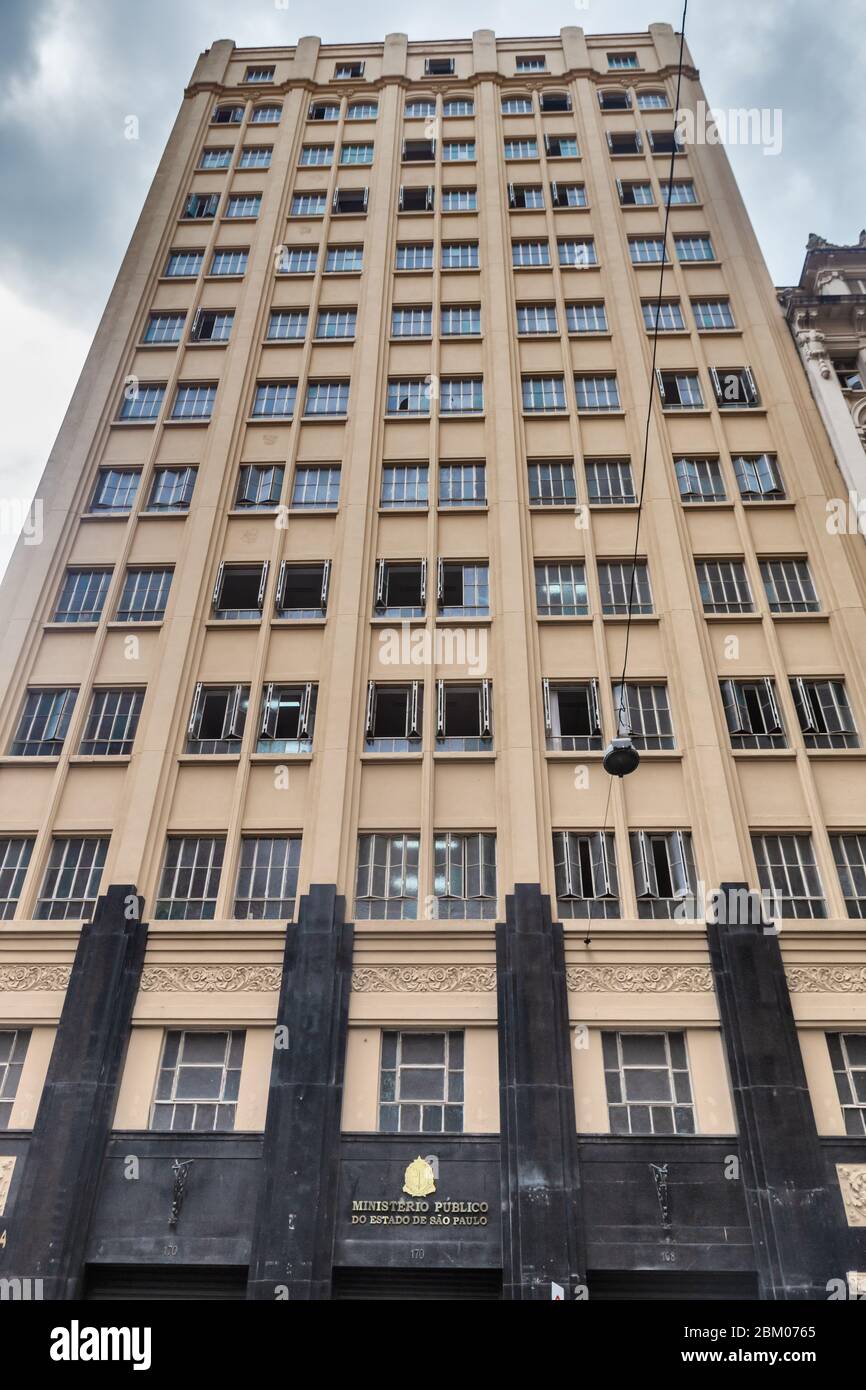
<point x="463" y="716"/>
<point x="615" y="99"/>
<point x="239" y="591"/>
<point x="401" y="588"/>
<point x="302" y="590"/>
<point x="288" y="717"/>
<point x="350" y="201"/>
<point x="624" y="142"/>
<point x="219" y="713"/>
<point x="734" y="388"/>
<point x="572" y="719"/>
<point x="555" y="101"/>
<point x="419" y="151"/>
<point x="752" y="714"/>
<point x="462" y="590"/>
<point x="664" y="874"/>
<point x="394" y="717"/>
<point x="416" y="199"/>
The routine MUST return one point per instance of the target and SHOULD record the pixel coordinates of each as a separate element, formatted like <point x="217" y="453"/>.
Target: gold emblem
<point x="418" y="1179"/>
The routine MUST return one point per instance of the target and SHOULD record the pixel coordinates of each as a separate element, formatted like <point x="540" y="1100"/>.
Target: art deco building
<point x="332" y="962"/>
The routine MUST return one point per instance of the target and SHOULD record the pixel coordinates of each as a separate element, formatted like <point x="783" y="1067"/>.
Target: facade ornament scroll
<point x="639" y="979"/>
<point x="424" y="979"/>
<point x="852" y="1181"/>
<point x="211" y="979"/>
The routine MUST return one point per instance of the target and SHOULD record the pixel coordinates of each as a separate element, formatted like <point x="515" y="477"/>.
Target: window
<point x="679" y="192"/>
<point x="653" y="101"/>
<point x="459" y="200"/>
<point x="460" y="255"/>
<point x="724" y="586"/>
<point x="43" y="723"/>
<point x="200" y="207"/>
<point x="349" y="202"/>
<point x="259" y="486"/>
<point x="561" y="147"/>
<point x="464" y="876"/>
<point x="164" y="328"/>
<point x="82" y="596"/>
<point x="255" y="157"/>
<point x="555" y="101"/>
<point x="712" y="314"/>
<point x="230" y="262"/>
<point x="577" y="252"/>
<point x="144" y="596"/>
<point x="596" y="393"/>
<point x="316" y="156"/>
<point x="848" y="373"/>
<point x="227" y="115"/>
<point x="646" y="250"/>
<point x="584" y="867"/>
<point x="622" y="60"/>
<point x="668" y="314"/>
<point x="458" y="106"/>
<point x="327" y="397"/>
<point x="317" y="488"/>
<point x="115" y="491"/>
<point x="112" y="722"/>
<point x="461" y="395"/>
<point x="463" y="590"/>
<point x="788" y="875"/>
<point x="734" y="388"/>
<point x="615" y="99"/>
<point x="633" y="195"/>
<point x="362" y="111"/>
<point x="609" y="482"/>
<point x="309" y="205"/>
<point x="288" y="324"/>
<point x="302" y="590"/>
<point x="420" y="108"/>
<point x="198" y="1082"/>
<point x="194" y="401"/>
<point x="266" y="115"/>
<point x="460" y="321"/>
<point x="244" y="205"/>
<point x="401" y="589"/>
<point x="588" y="317"/>
<point x="551" y="483"/>
<point x="646" y="1076"/>
<point x="267" y="882"/>
<point x="664" y="874"/>
<point x="521" y="149"/>
<point x="848" y="1058"/>
<point x="665" y="141"/>
<point x="758" y="478"/>
<point x="530" y="253"/>
<point x="142" y="400"/>
<point x="239" y="591"/>
<point x="323" y="111"/>
<point x="421" y="1083"/>
<point x="625" y="587"/>
<point x="415" y="257"/>
<point x="420" y="199"/>
<point x="275" y="399"/>
<point x="415" y="321"/>
<point x="568" y="195"/>
<point x="13" y="1050"/>
<point x="404" y="487"/>
<point x="386" y="886"/>
<point x="171" y="490"/>
<point x="464" y="717"/>
<point x="789" y="586"/>
<point x="572" y="719"/>
<point x="184" y="265"/>
<point x="849" y="854"/>
<point x="343" y="71"/>
<point x="14" y="861"/>
<point x="288" y="718"/>
<point x="409" y="397"/>
<point x="213" y="158"/>
<point x="624" y="142"/>
<point x="517" y="106"/>
<point x="72" y="878"/>
<point x="680" y="390"/>
<point x="419" y="151"/>
<point x="438" y="67"/>
<point x="694" y="248"/>
<point x="543" y="394"/>
<point x="700" y="480"/>
<point x="300" y="260"/>
<point x="216" y="724"/>
<point x="462" y="485"/>
<point x="212" y="326"/>
<point x="560" y="589"/>
<point x="643" y="712"/>
<point x="525" y="195"/>
<point x="357" y="154"/>
<point x="826" y="718"/>
<point x="530" y="62"/>
<point x="536" y="319"/>
<point x="394" y="717"/>
<point x="752" y="714"/>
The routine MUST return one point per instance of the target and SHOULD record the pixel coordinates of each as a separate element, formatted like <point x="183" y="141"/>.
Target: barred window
<point x="560" y="589"/>
<point x="849" y="854"/>
<point x="244" y="205"/>
<point x="645" y="250"/>
<point x="72" y="878"/>
<point x="275" y="399"/>
<point x="13" y="1050"/>
<point x="144" y="596"/>
<point x="700" y="480"/>
<point x="724" y="586"/>
<point x="357" y="154"/>
<point x="404" y="486"/>
<point x="647" y="1081"/>
<point x="826" y="718"/>
<point x="409" y="397"/>
<point x="680" y="390"/>
<point x="521" y="149"/>
<point x="82" y="596"/>
<point x="416" y="321"/>
<point x="625" y="587"/>
<point x="460" y="320"/>
<point x="230" y="262"/>
<point x="453" y="150"/>
<point x="664" y="875"/>
<point x="713" y="313"/>
<point x="551" y="483"/>
<point x="848" y="1059"/>
<point x="643" y="711"/>
<point x="301" y="260"/>
<point x="584" y="866"/>
<point x="259" y="486"/>
<point x="386" y="886"/>
<point x="288" y="324"/>
<point x="572" y="718"/>
<point x="14" y="861"/>
<point x="526" y="253"/>
<point x="171" y="490"/>
<point x="421" y="1083"/>
<point x="190" y="878"/>
<point x="789" y="586"/>
<point x="183" y="265"/>
<point x="788" y="875"/>
<point x="112" y="722"/>
<point x="309" y="205"/>
<point x="288" y="718"/>
<point x="752" y="714"/>
<point x="267" y="882"/>
<point x="543" y="394"/>
<point x="610" y="483"/>
<point x="694" y="248"/>
<point x="198" y="1082"/>
<point x="463" y="590"/>
<point x="461" y="395"/>
<point x="142" y="400"/>
<point x="596" y="393"/>
<point x="758" y="478"/>
<point x="460" y="255"/>
<point x="415" y="256"/>
<point x="589" y="317"/>
<point x="459" y="200"/>
<point x="462" y="485"/>
<point x="115" y="490"/>
<point x="256" y="157"/>
<point x="537" y="319"/>
<point x="464" y="875"/>
<point x="194" y="401"/>
<point x="317" y="488"/>
<point x="316" y="156"/>
<point x="43" y="723"/>
<point x="667" y="314"/>
<point x="164" y="328"/>
<point x="336" y="323"/>
<point x="577" y="251"/>
<point x="327" y="398"/>
<point x="216" y="723"/>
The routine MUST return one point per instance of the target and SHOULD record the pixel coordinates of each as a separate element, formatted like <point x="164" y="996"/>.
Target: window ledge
<point x="280" y="757"/>
<point x="733" y="617"/>
<point x="635" y="617"/>
<point x="233" y="623"/>
<point x="133" y="424"/>
<point x="147" y="624"/>
<point x="564" y="618"/>
<point x="106" y="516"/>
<point x="209" y="279"/>
<point x="608" y="414"/>
<point x="269" y="419"/>
<point x="482" y="620"/>
<point x="800" y="617"/>
<point x="298" y="622"/>
<point x="101" y="759"/>
<point x="75" y="627"/>
<point x="155" y="347"/>
<point x="748" y="754"/>
<point x="207" y="343"/>
<point x="476" y="757"/>
<point x="451" y="509"/>
<point x="370" y="757"/>
<point x="29" y="760"/>
<point x="185" y="424"/>
<point x="218" y="758"/>
<point x="180" y="514"/>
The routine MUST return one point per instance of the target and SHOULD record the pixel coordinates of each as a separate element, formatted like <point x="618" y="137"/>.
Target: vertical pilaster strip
<point x="293" y="1236"/>
<point x="541" y="1217"/>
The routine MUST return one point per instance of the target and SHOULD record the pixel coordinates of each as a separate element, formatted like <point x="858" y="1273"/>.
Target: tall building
<point x="333" y="963"/>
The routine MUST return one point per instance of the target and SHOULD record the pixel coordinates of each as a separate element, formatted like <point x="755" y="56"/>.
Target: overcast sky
<point x="71" y="71"/>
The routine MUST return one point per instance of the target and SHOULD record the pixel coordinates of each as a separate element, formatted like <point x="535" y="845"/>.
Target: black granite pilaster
<point x="293" y="1236"/>
<point x="62" y="1171"/>
<point x="797" y="1219"/>
<point x="542" y="1239"/>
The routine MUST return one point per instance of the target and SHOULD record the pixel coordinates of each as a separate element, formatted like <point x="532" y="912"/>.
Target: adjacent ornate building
<point x="332" y="962"/>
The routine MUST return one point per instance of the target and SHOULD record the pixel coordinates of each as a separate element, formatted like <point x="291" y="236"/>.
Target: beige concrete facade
<point x="634" y="973"/>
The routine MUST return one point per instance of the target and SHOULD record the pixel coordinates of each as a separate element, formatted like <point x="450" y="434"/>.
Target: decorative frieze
<point x="21" y="979"/>
<point x="211" y="979"/>
<point x="639" y="979"/>
<point x="827" y="979"/>
<point x="424" y="979"/>
<point x="7" y="1168"/>
<point x="852" y="1181"/>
